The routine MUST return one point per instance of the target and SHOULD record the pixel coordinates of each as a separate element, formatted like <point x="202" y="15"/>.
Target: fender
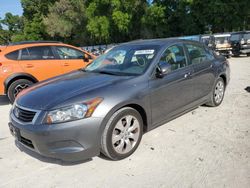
<point x="15" y="77"/>
<point x="147" y="121"/>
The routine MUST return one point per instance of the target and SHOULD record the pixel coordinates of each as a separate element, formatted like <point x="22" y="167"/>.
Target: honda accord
<point x="106" y="107"/>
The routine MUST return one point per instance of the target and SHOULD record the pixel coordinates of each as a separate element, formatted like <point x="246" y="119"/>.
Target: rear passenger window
<point x="37" y="53"/>
<point x="197" y="54"/>
<point x="174" y="56"/>
<point x="12" y="55"/>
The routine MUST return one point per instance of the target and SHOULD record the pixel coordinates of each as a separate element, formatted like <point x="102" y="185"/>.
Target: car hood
<point x="48" y="94"/>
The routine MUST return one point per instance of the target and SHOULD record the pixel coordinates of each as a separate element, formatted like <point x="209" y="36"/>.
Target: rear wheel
<point x="122" y="134"/>
<point x="17" y="86"/>
<point x="218" y="93"/>
<point x="248" y="54"/>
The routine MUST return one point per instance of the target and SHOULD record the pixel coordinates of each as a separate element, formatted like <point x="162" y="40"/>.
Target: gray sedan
<point x="107" y="107"/>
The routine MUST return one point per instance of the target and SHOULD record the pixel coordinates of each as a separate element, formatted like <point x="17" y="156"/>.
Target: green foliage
<point x="98" y="28"/>
<point x="9" y="26"/>
<point x="121" y="20"/>
<point x="66" y="19"/>
<point x="84" y="22"/>
<point x="154" y="21"/>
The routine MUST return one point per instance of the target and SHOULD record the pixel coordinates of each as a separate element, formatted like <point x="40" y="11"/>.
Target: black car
<point x="240" y="42"/>
<point x="122" y="94"/>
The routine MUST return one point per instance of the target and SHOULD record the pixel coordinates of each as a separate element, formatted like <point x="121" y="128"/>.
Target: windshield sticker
<point x="144" y="52"/>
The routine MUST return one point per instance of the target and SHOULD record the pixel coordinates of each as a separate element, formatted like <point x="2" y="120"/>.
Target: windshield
<point x="235" y="37"/>
<point x="246" y="36"/>
<point x="124" y="60"/>
<point x="221" y="40"/>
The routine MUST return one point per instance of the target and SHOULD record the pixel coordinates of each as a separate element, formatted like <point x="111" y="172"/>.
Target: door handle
<point x="29" y="66"/>
<point x="66" y="64"/>
<point x="187" y="74"/>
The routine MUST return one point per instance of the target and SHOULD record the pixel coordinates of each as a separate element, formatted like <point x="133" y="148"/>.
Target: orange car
<point x="25" y="63"/>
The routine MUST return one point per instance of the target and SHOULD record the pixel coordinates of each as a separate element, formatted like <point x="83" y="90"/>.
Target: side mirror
<point x="85" y="58"/>
<point x="163" y="68"/>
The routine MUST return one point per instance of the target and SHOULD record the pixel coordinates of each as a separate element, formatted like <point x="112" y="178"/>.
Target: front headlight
<point x="73" y="112"/>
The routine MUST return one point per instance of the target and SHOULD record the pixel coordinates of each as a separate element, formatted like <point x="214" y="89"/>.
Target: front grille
<point x="24" y="115"/>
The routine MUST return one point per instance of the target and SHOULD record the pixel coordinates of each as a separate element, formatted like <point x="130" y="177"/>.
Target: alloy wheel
<point x="19" y="88"/>
<point x="125" y="134"/>
<point x="219" y="92"/>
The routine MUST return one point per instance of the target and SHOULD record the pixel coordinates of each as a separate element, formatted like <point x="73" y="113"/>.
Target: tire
<point x="117" y="141"/>
<point x="236" y="55"/>
<point x="217" y="93"/>
<point x="17" y="86"/>
<point x="248" y="54"/>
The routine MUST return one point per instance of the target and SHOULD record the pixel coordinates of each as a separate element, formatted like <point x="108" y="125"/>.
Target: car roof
<point x="159" y="42"/>
<point x="25" y="44"/>
<point x="31" y="42"/>
<point x="222" y="35"/>
<point x="240" y="32"/>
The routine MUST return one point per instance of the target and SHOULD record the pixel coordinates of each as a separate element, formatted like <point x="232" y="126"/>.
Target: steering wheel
<point x="113" y="61"/>
<point x="140" y="61"/>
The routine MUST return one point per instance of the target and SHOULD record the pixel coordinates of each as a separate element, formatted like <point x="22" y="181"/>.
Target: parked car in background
<point x="206" y="39"/>
<point x="25" y="63"/>
<point x="122" y="94"/>
<point x="240" y="42"/>
<point x="209" y="41"/>
<point x="222" y="44"/>
<point x="191" y="37"/>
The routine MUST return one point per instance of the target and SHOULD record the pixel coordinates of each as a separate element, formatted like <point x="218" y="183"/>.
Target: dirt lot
<point x="208" y="147"/>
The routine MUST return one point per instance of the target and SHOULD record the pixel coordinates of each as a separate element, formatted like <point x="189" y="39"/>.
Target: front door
<point x="70" y="58"/>
<point x="172" y="93"/>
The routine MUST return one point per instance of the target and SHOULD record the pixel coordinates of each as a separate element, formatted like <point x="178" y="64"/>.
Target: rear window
<point x="246" y="36"/>
<point x="12" y="55"/>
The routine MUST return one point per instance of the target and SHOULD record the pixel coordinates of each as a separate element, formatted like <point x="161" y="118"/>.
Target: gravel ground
<point x="208" y="147"/>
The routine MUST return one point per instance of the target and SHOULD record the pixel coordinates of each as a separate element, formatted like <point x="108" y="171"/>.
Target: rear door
<point x="202" y="63"/>
<point x="71" y="59"/>
<point x="40" y="61"/>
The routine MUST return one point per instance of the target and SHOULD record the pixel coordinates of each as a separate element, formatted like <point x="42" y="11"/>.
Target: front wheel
<point x="217" y="93"/>
<point x="122" y="134"/>
<point x="16" y="87"/>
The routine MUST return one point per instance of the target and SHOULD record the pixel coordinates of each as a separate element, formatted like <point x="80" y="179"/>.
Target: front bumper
<point x="71" y="141"/>
<point x="245" y="51"/>
<point x="225" y="52"/>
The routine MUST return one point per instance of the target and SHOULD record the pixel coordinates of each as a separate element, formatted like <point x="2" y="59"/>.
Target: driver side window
<point x="174" y="55"/>
<point x="69" y="53"/>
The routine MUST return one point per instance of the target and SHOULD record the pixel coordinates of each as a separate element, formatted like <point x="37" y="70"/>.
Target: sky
<point x="12" y="6"/>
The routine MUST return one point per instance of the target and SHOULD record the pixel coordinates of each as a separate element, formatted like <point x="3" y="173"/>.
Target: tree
<point x="10" y="26"/>
<point x="121" y="20"/>
<point x="154" y="22"/>
<point x="66" y="21"/>
<point x="33" y="13"/>
<point x="84" y="22"/>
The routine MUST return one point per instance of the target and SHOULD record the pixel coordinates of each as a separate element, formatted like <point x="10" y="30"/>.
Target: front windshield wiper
<point x="100" y="72"/>
<point x="106" y="72"/>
